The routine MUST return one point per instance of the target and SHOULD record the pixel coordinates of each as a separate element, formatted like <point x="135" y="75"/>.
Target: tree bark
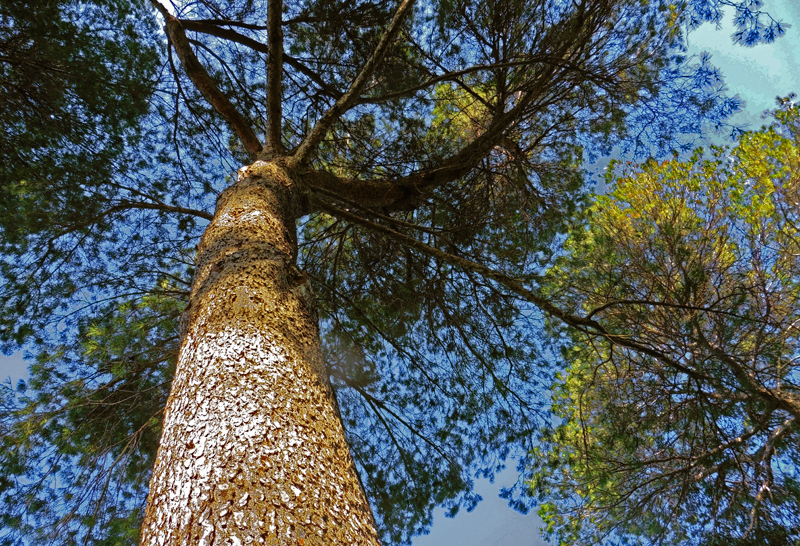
<point x="253" y="450"/>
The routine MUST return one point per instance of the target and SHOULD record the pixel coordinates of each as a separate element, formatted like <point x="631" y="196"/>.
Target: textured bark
<point x="253" y="450"/>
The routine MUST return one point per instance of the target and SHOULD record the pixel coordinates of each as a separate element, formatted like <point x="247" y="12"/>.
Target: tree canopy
<point x="72" y="96"/>
<point x="695" y="440"/>
<point x="440" y="145"/>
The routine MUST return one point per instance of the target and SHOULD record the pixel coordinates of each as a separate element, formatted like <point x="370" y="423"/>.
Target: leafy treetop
<point x="695" y="441"/>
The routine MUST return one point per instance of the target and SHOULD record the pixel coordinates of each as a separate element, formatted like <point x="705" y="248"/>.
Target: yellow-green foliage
<point x="698" y="260"/>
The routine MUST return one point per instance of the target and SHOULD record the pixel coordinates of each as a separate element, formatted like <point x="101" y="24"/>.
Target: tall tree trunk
<point x="253" y="450"/>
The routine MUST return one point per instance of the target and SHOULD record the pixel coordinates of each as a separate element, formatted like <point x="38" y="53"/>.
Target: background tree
<point x="437" y="148"/>
<point x="695" y="442"/>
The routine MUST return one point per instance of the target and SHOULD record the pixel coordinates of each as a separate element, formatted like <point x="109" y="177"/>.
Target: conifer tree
<point x="324" y="234"/>
<point x="695" y="440"/>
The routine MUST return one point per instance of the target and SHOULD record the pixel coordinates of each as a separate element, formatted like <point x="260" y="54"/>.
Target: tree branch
<point x="228" y="22"/>
<point x="536" y="96"/>
<point x="124" y="204"/>
<point x="466" y="159"/>
<point x="367" y="193"/>
<point x="274" y="145"/>
<point x="404" y="192"/>
<point x="580" y="323"/>
<point x="202" y="80"/>
<point x="312" y="140"/>
<point x="655" y="303"/>
<point x="783" y="400"/>
<point x="447" y="76"/>
<point x="762" y="453"/>
<point x="233" y="36"/>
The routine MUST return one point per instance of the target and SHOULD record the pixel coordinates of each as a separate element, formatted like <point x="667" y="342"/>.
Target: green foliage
<point x="79" y="439"/>
<point x="72" y="97"/>
<point x="696" y="442"/>
<point x="116" y="159"/>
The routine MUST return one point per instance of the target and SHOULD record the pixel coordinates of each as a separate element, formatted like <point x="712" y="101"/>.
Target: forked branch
<point x="205" y="84"/>
<point x="255" y="45"/>
<point x="312" y="140"/>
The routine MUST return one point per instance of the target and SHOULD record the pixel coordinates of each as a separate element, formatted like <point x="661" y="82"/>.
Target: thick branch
<point x="367" y="193"/>
<point x="339" y="198"/>
<point x="202" y="80"/>
<point x="782" y="400"/>
<point x="404" y="192"/>
<point x="274" y="77"/>
<point x="466" y="159"/>
<point x="557" y="64"/>
<point x="312" y="140"/>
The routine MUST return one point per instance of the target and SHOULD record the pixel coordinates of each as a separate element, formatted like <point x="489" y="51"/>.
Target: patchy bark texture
<point x="253" y="451"/>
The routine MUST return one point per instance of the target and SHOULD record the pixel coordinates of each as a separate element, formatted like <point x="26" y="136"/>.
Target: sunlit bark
<point x="253" y="450"/>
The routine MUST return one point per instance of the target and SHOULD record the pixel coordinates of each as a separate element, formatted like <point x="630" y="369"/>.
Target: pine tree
<point x="357" y="325"/>
<point x="693" y="442"/>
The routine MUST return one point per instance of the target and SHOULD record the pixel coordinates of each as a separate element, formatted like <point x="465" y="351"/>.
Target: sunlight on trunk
<point x="253" y="450"/>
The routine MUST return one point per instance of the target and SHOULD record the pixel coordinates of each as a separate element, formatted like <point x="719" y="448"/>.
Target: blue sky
<point x="757" y="75"/>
